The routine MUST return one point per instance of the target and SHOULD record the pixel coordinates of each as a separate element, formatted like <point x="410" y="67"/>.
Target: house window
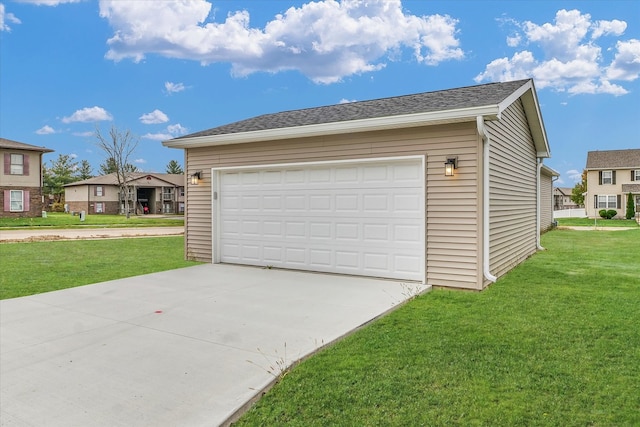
<point x="607" y="202"/>
<point x="167" y="193"/>
<point x="17" y="201"/>
<point x="182" y="188"/>
<point x="607" y="177"/>
<point x="181" y="206"/>
<point x="636" y="174"/>
<point x="17" y="164"/>
<point x="99" y="207"/>
<point x="99" y="191"/>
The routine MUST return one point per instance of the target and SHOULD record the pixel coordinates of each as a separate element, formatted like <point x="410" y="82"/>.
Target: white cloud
<point x="46" y="130"/>
<point x="48" y="2"/>
<point x="325" y="40"/>
<point x="626" y="64"/>
<point x="615" y="27"/>
<point x="6" y="17"/>
<point x="140" y="161"/>
<point x="174" y="87"/>
<point x="564" y="56"/>
<point x="172" y="131"/>
<point x="154" y="117"/>
<point x="73" y="155"/>
<point x="177" y="129"/>
<point x="88" y="114"/>
<point x="84" y="134"/>
<point x="574" y="175"/>
<point x="346" y="101"/>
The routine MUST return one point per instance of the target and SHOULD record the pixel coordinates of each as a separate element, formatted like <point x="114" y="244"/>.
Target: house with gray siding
<point x="441" y="187"/>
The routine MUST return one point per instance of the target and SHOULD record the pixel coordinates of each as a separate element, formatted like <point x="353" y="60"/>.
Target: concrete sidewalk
<point x="86" y="233"/>
<point x="186" y="347"/>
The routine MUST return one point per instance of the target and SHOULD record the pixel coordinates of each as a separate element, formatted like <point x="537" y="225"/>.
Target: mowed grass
<point x="556" y="342"/>
<point x="35" y="267"/>
<point x="599" y="222"/>
<point x="62" y="220"/>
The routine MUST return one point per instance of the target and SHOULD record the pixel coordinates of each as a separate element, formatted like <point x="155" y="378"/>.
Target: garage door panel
<point x="361" y="218"/>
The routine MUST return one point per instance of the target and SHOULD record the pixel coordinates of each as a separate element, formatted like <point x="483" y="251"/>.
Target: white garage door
<point x="363" y="218"/>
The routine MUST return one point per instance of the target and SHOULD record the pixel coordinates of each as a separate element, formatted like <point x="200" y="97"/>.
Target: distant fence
<point x="570" y="213"/>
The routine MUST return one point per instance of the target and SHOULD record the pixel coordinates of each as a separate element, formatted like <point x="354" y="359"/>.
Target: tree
<point x="173" y="167"/>
<point x="631" y="210"/>
<point x="62" y="171"/>
<point x="577" y="194"/>
<point x="85" y="171"/>
<point x="118" y="147"/>
<point x="109" y="166"/>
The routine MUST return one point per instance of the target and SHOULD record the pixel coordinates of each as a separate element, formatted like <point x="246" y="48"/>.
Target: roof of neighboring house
<point x="110" y="179"/>
<point x="614" y="159"/>
<point x="443" y="106"/>
<point x="567" y="191"/>
<point x="631" y="188"/>
<point x="15" y="145"/>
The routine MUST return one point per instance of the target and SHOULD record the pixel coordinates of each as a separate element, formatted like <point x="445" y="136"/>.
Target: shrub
<point x="630" y="207"/>
<point x="607" y="214"/>
<point x="57" y="207"/>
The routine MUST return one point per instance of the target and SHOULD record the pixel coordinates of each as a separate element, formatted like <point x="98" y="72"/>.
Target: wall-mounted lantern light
<point x="196" y="177"/>
<point x="450" y="165"/>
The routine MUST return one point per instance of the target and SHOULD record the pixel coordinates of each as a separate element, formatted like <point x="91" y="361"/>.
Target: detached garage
<point x="438" y="187"/>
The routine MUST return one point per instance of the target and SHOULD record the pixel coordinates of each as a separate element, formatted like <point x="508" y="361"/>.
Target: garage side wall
<point x="513" y="188"/>
<point x="452" y="209"/>
<point x="546" y="202"/>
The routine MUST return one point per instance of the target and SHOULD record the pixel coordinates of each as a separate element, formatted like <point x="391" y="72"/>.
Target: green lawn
<point x="586" y="222"/>
<point x="556" y="342"/>
<point x="62" y="220"/>
<point x="31" y="268"/>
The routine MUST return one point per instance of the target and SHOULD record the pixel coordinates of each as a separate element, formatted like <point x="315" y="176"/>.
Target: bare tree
<point x="119" y="146"/>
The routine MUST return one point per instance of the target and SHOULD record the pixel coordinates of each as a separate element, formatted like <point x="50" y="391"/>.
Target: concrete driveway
<point x="186" y="347"/>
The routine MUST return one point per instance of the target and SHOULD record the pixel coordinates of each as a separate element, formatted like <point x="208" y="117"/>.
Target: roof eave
<point x="527" y="93"/>
<point x="335" y="128"/>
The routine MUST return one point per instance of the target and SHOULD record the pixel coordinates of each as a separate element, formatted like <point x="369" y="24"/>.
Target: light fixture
<point x="196" y="177"/>
<point x="450" y="165"/>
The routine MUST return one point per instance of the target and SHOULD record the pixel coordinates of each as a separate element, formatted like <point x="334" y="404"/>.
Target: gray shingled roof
<point x="110" y="179"/>
<point x="15" y="145"/>
<point x="614" y="159"/>
<point x="631" y="188"/>
<point x="442" y="100"/>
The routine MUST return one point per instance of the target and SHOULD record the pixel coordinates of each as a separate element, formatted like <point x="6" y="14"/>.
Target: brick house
<point x="21" y="179"/>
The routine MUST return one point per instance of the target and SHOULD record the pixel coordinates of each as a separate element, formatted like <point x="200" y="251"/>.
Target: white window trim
<point x="637" y="175"/>
<point x="607" y="201"/>
<point x="11" y="201"/>
<point x="609" y="178"/>
<point x="16" y="165"/>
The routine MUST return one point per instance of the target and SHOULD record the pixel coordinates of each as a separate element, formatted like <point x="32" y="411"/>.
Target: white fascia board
<point x="532" y="110"/>
<point x="365" y="125"/>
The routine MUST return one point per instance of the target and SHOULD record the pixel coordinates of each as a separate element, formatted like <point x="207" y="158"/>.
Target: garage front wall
<point x="452" y="208"/>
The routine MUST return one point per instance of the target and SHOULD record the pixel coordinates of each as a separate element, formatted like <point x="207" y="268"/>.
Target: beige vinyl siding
<point x="513" y="184"/>
<point x="546" y="202"/>
<point x="451" y="204"/>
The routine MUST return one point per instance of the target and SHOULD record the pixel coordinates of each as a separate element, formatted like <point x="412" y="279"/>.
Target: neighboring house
<point x="611" y="176"/>
<point x="437" y="187"/>
<point x="158" y="192"/>
<point x="562" y="199"/>
<point x="21" y="179"/>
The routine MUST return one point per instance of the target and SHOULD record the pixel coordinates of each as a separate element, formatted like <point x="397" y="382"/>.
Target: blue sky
<point x="167" y="68"/>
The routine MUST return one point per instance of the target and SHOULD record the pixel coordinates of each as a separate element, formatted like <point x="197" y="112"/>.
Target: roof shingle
<point x="442" y="100"/>
<point x="15" y="145"/>
<point x="614" y="159"/>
